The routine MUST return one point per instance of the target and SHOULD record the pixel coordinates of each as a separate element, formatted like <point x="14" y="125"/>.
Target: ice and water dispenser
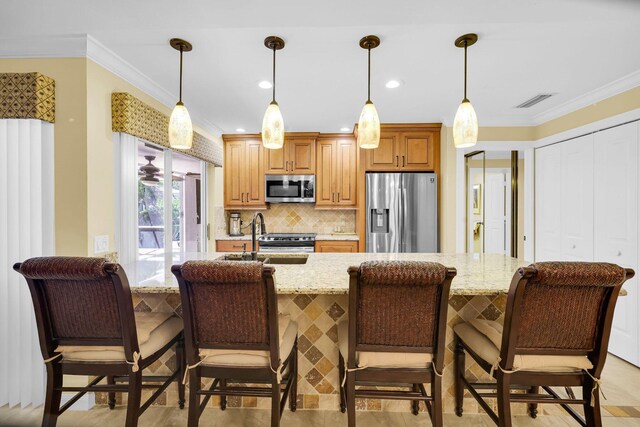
<point x="379" y="221"/>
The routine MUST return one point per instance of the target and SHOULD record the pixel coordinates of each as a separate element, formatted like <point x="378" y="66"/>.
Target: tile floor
<point x="621" y="408"/>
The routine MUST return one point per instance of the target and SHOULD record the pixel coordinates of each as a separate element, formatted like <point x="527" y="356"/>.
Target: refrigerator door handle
<point x="402" y="213"/>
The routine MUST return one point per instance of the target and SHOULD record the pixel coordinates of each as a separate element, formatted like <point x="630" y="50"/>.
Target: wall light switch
<point x="101" y="244"/>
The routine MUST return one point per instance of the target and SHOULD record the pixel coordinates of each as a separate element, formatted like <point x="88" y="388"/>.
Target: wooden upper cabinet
<point x="346" y="172"/>
<point x="386" y="157"/>
<point x="244" y="173"/>
<point x="336" y="177"/>
<point x="404" y="149"/>
<point x="296" y="157"/>
<point x="417" y="151"/>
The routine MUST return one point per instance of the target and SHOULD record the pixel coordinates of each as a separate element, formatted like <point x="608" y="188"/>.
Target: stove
<point x="287" y="242"/>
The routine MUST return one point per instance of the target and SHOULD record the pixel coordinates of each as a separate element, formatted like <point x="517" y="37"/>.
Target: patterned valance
<point x="131" y="115"/>
<point x="27" y="96"/>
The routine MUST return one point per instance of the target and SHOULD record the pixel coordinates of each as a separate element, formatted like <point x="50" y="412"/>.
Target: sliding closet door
<point x="616" y="226"/>
<point x="577" y="199"/>
<point x="548" y="203"/>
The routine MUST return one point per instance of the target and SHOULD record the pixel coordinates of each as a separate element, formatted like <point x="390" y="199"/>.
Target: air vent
<point x="536" y="99"/>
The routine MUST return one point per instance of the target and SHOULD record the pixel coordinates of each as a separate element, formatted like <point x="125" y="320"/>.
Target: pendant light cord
<point x="369" y="75"/>
<point x="274" y="74"/>
<point x="465" y="71"/>
<point x="181" y="49"/>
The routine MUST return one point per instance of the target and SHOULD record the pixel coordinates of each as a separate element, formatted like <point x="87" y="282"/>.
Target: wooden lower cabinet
<point x="336" y="246"/>
<point x="233" y="245"/>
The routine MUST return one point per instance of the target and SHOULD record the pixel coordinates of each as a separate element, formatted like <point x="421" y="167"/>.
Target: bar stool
<point x="233" y="333"/>
<point x="556" y="331"/>
<point x="87" y="326"/>
<point x="395" y="334"/>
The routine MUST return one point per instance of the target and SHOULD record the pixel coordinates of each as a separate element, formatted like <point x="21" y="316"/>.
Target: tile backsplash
<point x="297" y="218"/>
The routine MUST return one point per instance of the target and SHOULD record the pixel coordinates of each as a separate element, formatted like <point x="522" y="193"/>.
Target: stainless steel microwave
<point x="290" y="188"/>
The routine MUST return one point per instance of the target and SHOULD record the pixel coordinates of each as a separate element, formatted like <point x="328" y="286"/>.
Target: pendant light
<point x="273" y="123"/>
<point x="465" y="124"/>
<point x="180" y="126"/>
<point x="369" y="123"/>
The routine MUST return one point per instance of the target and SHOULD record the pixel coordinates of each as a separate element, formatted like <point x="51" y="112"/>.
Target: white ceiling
<point x="525" y="47"/>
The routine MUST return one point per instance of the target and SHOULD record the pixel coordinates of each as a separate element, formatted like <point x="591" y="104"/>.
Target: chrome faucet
<point x="263" y="230"/>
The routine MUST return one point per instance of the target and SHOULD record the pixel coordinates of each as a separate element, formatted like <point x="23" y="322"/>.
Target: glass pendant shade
<point x="180" y="128"/>
<point x="273" y="127"/>
<point x="369" y="127"/>
<point x="465" y="126"/>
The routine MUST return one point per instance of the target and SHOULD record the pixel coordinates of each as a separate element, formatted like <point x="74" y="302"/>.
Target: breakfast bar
<point x="312" y="289"/>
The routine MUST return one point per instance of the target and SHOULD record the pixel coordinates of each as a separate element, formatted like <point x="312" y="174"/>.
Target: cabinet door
<point x="576" y="185"/>
<point x="234" y="182"/>
<point x="386" y="157"/>
<point x="336" y="246"/>
<point x="417" y="151"/>
<point x="302" y="156"/>
<point x="346" y="173"/>
<point x="548" y="205"/>
<point x="616" y="227"/>
<point x="276" y="161"/>
<point x="325" y="176"/>
<point x="254" y="173"/>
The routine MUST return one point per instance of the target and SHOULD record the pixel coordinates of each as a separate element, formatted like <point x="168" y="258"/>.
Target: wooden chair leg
<point x="592" y="415"/>
<point x="53" y="396"/>
<point x="275" y="401"/>
<point x="343" y="397"/>
<point x="293" y="374"/>
<point x="532" y="408"/>
<point x="436" y="404"/>
<point x="194" y="398"/>
<point x="133" y="395"/>
<point x="180" y="359"/>
<point x="504" y="402"/>
<point x="223" y="398"/>
<point x="415" y="404"/>
<point x="458" y="376"/>
<point x="350" y="391"/>
<point x="111" y="396"/>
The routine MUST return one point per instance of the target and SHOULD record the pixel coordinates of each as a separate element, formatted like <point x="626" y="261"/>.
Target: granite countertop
<point x="326" y="273"/>
<point x="351" y="237"/>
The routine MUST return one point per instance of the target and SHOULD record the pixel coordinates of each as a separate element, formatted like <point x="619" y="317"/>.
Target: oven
<point x="290" y="188"/>
<point x="287" y="243"/>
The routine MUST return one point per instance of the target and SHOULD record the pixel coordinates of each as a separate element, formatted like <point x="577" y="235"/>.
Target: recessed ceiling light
<point x="240" y="130"/>
<point x="265" y="84"/>
<point x="345" y="129"/>
<point x="392" y="84"/>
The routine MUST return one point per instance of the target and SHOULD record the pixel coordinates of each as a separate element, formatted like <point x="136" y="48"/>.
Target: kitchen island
<point x="315" y="295"/>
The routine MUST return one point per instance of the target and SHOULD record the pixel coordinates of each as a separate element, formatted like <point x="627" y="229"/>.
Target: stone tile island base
<point x="317" y="317"/>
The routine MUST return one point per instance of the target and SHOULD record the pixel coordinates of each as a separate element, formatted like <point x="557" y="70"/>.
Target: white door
<point x="616" y="227"/>
<point x="191" y="222"/>
<point x="495" y="214"/>
<point x="577" y="199"/>
<point x="548" y="200"/>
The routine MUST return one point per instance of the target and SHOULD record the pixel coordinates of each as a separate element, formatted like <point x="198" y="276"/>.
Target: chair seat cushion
<point x="288" y="331"/>
<point x="380" y="359"/>
<point x="159" y="336"/>
<point x="484" y="337"/>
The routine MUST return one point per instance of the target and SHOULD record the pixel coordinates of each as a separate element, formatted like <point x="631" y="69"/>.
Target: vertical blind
<point x="26" y="230"/>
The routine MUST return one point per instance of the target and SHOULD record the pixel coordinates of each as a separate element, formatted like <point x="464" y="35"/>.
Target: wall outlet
<point x="100" y="244"/>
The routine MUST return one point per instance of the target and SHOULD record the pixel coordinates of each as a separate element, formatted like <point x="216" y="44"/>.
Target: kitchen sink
<point x="269" y="258"/>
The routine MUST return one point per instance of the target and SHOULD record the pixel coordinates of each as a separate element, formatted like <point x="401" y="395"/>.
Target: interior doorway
<point x="493" y="203"/>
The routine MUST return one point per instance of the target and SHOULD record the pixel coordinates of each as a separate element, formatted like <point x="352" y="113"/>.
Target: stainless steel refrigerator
<point x="402" y="212"/>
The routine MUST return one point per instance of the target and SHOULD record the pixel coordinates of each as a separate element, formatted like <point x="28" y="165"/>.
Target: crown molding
<point x="616" y="87"/>
<point x="85" y="46"/>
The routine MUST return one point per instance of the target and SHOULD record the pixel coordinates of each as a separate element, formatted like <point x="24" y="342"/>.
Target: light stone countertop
<point x="246" y="236"/>
<point x="349" y="237"/>
<point x="326" y="273"/>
